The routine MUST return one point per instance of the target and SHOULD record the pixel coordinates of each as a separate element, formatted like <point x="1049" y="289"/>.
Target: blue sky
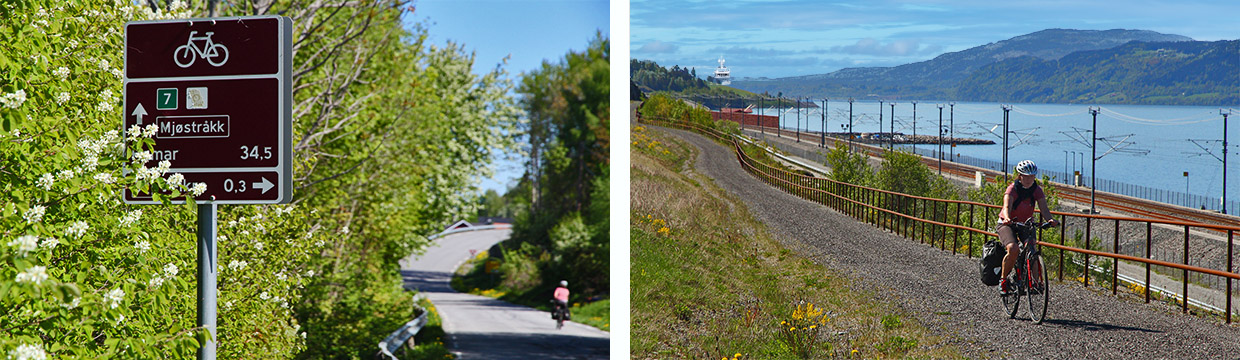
<point x="529" y="31"/>
<point x="774" y="38"/>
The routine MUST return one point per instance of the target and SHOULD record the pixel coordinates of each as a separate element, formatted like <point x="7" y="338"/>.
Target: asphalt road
<point x="942" y="290"/>
<point x="484" y="328"/>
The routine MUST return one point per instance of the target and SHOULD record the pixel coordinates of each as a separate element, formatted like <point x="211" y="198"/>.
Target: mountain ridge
<point x="945" y="75"/>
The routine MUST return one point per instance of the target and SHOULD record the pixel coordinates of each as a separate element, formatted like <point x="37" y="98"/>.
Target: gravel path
<point x="943" y="292"/>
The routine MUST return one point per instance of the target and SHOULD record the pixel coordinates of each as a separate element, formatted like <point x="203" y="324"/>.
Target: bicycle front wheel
<point x="1038" y="290"/>
<point x="1011" y="300"/>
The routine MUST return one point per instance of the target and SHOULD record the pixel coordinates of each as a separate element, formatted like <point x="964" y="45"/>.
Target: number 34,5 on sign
<point x="220" y="93"/>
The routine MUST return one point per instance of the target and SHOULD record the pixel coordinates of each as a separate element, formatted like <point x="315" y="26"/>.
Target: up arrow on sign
<point x="139" y="112"/>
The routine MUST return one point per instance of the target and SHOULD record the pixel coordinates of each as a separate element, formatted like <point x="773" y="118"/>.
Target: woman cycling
<point x="1018" y="203"/>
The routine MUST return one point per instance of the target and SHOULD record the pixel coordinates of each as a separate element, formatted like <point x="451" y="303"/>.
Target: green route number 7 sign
<point x="166" y="99"/>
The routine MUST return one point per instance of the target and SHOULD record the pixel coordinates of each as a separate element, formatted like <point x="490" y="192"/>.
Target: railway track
<point x="1135" y="207"/>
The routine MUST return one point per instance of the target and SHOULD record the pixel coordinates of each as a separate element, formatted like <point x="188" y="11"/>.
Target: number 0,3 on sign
<point x="219" y="92"/>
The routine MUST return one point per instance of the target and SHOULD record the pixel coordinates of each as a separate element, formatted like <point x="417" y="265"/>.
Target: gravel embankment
<point x="943" y="292"/>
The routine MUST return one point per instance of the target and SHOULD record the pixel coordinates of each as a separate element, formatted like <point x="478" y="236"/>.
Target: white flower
<point x="76" y="301"/>
<point x="117" y="73"/>
<point x="61" y="72"/>
<point x="107" y="94"/>
<point x="133" y="132"/>
<point x="73" y="43"/>
<point x="62" y="98"/>
<point x="28" y="352"/>
<point x="176" y="179"/>
<point x="66" y="174"/>
<point x="14" y="100"/>
<point x="103" y="64"/>
<point x="77" y="229"/>
<point x="50" y="243"/>
<point x="264" y="296"/>
<point x="143" y="156"/>
<point x="25" y="244"/>
<point x="104" y="106"/>
<point x="105" y="178"/>
<point x="258" y="245"/>
<point x="171" y="270"/>
<point x="131" y="218"/>
<point x="198" y="189"/>
<point x="143" y="246"/>
<point x="164" y="165"/>
<point x="237" y="265"/>
<point x="150" y="130"/>
<point x="281" y="276"/>
<point x="155" y="282"/>
<point x="119" y="320"/>
<point x="114" y="297"/>
<point x="35" y="274"/>
<point x="310" y="273"/>
<point x="45" y="181"/>
<point x="34" y="214"/>
<point x="90" y="162"/>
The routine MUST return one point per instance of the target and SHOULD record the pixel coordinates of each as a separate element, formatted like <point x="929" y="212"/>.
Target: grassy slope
<point x="709" y="281"/>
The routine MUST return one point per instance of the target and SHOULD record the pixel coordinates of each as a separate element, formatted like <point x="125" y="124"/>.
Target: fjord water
<point x="1156" y="155"/>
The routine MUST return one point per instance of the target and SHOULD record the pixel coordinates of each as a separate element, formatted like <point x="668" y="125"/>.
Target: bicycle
<point x="559" y="313"/>
<point x="184" y="54"/>
<point x="1028" y="277"/>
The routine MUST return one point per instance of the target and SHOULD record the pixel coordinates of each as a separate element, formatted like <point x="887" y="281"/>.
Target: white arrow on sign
<point x="265" y="185"/>
<point x="139" y="112"/>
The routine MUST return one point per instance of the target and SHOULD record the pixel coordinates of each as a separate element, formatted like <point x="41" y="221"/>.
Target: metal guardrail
<point x="402" y="335"/>
<point x="929" y="219"/>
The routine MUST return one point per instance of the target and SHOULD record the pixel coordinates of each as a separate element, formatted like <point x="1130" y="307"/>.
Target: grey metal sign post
<point x="207" y="264"/>
<point x="219" y="91"/>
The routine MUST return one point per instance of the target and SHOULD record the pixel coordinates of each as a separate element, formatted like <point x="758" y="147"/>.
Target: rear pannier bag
<point x="992" y="262"/>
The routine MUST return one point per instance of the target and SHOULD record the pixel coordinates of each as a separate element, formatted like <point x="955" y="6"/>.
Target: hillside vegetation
<point x="389" y="133"/>
<point x="1175" y="73"/>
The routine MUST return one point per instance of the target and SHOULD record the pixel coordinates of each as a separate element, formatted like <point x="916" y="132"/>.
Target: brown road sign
<point x="219" y="92"/>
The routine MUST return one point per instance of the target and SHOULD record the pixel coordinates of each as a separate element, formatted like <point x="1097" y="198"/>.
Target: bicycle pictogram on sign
<point x="215" y="54"/>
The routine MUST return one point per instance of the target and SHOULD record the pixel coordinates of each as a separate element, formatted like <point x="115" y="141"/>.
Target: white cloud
<point x="657" y="47"/>
<point x="870" y="46"/>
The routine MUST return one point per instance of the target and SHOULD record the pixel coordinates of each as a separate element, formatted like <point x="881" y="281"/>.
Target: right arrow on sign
<point x="139" y="112"/>
<point x="265" y="185"/>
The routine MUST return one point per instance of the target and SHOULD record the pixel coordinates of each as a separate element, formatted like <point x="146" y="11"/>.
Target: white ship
<point x="722" y="75"/>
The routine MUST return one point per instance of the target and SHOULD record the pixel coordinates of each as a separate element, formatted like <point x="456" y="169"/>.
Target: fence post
<point x="1149" y="226"/>
<point x="1229" y="238"/>
<point x="1088" y="223"/>
<point x="1185" y="271"/>
<point x="956" y="231"/>
<point x="971" y="209"/>
<point x="1115" y="262"/>
<point x="1063" y="240"/>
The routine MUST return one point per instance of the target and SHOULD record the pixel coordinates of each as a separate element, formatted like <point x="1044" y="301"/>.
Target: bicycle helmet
<point x="1027" y="167"/>
<point x="564" y="283"/>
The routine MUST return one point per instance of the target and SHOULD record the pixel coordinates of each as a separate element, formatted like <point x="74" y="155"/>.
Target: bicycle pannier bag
<point x="992" y="262"/>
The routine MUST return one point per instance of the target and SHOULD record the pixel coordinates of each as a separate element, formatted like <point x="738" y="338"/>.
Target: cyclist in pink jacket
<point x="561" y="297"/>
